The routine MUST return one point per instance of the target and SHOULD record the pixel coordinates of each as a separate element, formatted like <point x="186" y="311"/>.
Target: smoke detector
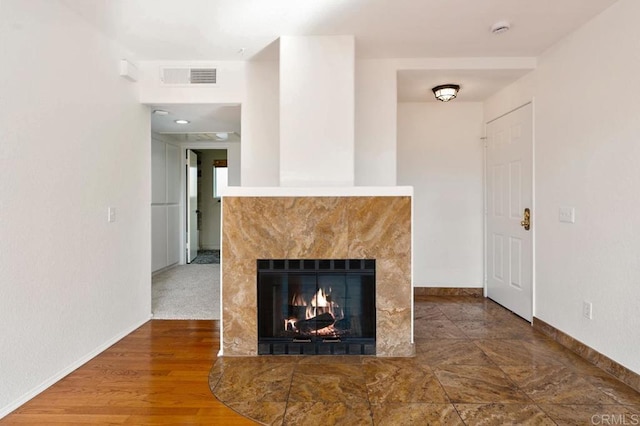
<point x="500" y="27"/>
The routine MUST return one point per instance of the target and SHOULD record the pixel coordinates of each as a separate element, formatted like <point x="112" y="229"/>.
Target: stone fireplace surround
<point x="308" y="223"/>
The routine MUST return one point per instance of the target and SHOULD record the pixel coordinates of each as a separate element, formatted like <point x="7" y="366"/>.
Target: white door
<point x="509" y="193"/>
<point x="192" y="205"/>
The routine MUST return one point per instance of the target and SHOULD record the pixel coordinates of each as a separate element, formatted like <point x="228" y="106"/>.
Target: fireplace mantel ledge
<point x="333" y="191"/>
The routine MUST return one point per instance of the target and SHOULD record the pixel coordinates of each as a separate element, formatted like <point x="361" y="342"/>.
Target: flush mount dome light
<point x="446" y="92"/>
<point x="160" y="112"/>
<point x="182" y="121"/>
<point x="223" y="136"/>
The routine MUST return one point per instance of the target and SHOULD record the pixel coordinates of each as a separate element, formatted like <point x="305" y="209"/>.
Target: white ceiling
<point x="219" y="29"/>
<point x="204" y="118"/>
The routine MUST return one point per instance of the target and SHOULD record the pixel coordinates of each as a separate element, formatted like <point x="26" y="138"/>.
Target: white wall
<point x="586" y="143"/>
<point x="210" y="218"/>
<point x="440" y="154"/>
<point x="511" y="97"/>
<point x="317" y="110"/>
<point x="75" y="140"/>
<point x="376" y="111"/>
<point x="166" y="167"/>
<point x="375" y="126"/>
<point x="234" y="163"/>
<point x="587" y="156"/>
<point x="261" y="125"/>
<point x="375" y="132"/>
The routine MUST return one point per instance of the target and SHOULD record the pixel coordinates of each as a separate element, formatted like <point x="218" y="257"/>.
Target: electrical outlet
<point x="587" y="309"/>
<point x="567" y="214"/>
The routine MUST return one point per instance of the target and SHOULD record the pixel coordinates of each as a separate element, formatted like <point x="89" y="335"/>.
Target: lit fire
<point x="320" y="307"/>
<point x="298" y="300"/>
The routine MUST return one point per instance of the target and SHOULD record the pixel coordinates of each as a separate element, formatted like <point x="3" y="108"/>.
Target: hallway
<point x="187" y="292"/>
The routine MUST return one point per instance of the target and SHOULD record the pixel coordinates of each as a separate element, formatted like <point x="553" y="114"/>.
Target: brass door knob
<point x="526" y="221"/>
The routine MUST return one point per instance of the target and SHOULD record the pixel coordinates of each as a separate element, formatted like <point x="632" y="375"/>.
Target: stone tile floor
<point x="475" y="363"/>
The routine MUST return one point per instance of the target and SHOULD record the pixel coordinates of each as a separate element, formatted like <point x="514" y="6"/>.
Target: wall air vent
<point x="189" y="76"/>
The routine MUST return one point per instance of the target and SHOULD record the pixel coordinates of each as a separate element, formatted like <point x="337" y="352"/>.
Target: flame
<point x="290" y="323"/>
<point x="298" y="300"/>
<point x="319" y="304"/>
<point x="320" y="299"/>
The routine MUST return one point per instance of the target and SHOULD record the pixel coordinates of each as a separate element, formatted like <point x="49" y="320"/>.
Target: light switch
<point x="567" y="214"/>
<point x="111" y="214"/>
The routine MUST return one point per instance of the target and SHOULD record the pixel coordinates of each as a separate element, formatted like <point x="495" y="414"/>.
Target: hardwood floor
<point x="157" y="374"/>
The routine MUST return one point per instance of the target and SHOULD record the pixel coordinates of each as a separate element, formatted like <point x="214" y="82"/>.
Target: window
<point x="220" y="173"/>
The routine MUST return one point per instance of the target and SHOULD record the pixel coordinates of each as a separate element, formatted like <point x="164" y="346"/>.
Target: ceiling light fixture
<point x="446" y="92"/>
<point x="160" y="112"/>
<point x="223" y="136"/>
<point x="181" y="121"/>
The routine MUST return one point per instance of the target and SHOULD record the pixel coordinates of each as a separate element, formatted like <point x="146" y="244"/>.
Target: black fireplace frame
<point x="318" y="345"/>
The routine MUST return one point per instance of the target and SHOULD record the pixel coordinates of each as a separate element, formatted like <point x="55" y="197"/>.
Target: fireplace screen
<point x="316" y="306"/>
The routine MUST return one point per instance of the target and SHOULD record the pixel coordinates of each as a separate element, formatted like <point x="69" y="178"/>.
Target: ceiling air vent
<point x="203" y="76"/>
<point x="189" y="76"/>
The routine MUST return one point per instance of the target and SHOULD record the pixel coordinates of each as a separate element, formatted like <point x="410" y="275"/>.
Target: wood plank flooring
<point x="157" y="374"/>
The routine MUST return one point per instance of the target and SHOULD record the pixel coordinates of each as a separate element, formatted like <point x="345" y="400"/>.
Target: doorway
<point x="206" y="179"/>
<point x="192" y="197"/>
<point x="192" y="290"/>
<point x="509" y="211"/>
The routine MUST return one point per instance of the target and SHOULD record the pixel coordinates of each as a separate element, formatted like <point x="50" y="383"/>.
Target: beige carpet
<point x="187" y="292"/>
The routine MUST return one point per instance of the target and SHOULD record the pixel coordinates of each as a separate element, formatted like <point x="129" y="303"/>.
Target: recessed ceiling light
<point x="160" y="112"/>
<point x="500" y="27"/>
<point x="182" y="121"/>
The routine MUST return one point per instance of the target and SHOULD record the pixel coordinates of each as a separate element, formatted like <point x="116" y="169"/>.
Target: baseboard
<point x="447" y="291"/>
<point x="618" y="371"/>
<point x="8" y="409"/>
<point x="165" y="269"/>
<point x="209" y="247"/>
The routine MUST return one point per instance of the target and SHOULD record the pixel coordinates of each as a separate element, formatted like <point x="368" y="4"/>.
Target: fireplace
<point x="316" y="223"/>
<point x="316" y="306"/>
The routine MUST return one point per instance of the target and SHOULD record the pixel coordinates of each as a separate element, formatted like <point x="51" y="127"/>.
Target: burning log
<point x="315" y="323"/>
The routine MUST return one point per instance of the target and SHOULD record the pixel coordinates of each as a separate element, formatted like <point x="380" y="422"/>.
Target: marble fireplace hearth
<point x="317" y="223"/>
